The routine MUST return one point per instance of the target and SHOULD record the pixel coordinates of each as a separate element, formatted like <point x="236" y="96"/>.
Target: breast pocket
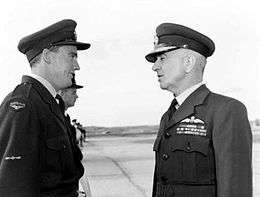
<point x="192" y="156"/>
<point x="56" y="148"/>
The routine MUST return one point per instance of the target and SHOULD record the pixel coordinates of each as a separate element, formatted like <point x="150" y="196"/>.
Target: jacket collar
<point x="45" y="95"/>
<point x="45" y="83"/>
<point x="188" y="106"/>
<point x="182" y="97"/>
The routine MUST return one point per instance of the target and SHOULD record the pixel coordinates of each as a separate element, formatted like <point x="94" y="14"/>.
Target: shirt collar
<point x="45" y="83"/>
<point x="182" y="97"/>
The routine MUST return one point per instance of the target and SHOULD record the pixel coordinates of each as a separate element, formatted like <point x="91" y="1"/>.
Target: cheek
<point x="174" y="71"/>
<point x="65" y="64"/>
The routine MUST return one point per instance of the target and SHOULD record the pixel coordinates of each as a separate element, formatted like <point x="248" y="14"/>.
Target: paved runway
<point x="123" y="166"/>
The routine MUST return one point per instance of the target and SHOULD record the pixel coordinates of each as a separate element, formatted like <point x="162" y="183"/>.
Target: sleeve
<point x="19" y="154"/>
<point x="232" y="141"/>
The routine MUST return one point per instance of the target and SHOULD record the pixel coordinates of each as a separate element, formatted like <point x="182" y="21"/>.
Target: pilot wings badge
<point x="193" y="120"/>
<point x="192" y="126"/>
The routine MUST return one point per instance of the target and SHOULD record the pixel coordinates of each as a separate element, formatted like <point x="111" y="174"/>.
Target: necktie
<point x="60" y="103"/>
<point x="172" y="109"/>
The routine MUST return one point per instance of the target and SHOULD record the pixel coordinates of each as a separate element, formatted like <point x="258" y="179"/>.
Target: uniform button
<point x="167" y="135"/>
<point x="165" y="156"/>
<point x="188" y="146"/>
<point x="164" y="179"/>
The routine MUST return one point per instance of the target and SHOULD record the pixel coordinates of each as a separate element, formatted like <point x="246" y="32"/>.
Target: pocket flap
<point x="191" y="144"/>
<point x="56" y="143"/>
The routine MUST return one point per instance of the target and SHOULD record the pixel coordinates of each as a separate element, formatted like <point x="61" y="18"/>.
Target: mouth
<point x="71" y="74"/>
<point x="159" y="75"/>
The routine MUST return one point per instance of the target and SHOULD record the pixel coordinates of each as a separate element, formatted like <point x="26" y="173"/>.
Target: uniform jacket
<point x="72" y="134"/>
<point x="205" y="149"/>
<point x="36" y="156"/>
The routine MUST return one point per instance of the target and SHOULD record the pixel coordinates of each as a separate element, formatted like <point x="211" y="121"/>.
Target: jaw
<point x="169" y="87"/>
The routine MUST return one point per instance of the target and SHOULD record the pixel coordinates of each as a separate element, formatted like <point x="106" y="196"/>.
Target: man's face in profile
<point x="63" y="65"/>
<point x="169" y="69"/>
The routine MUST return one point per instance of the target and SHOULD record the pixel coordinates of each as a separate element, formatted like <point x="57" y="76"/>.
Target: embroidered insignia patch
<point x="192" y="119"/>
<point x="17" y="104"/>
<point x="192" y="126"/>
<point x="13" y="158"/>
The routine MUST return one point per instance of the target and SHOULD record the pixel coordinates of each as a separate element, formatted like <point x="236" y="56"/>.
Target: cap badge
<point x="156" y="40"/>
<point x="75" y="35"/>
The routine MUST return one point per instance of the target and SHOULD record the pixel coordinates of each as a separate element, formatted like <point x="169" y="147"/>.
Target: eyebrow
<point x="161" y="55"/>
<point x="73" y="53"/>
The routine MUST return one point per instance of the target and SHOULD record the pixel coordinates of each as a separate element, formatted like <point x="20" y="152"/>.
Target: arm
<point x="232" y="141"/>
<point x="18" y="150"/>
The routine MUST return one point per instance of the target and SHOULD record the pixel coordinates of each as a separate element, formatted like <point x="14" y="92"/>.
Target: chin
<point x="163" y="86"/>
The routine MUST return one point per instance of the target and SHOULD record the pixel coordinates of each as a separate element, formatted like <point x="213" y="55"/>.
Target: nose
<point x="76" y="65"/>
<point x="156" y="66"/>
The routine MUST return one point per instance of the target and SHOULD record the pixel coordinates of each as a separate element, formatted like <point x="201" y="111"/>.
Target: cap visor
<point x="79" y="45"/>
<point x="151" y="57"/>
<point x="76" y="86"/>
<point x="79" y="86"/>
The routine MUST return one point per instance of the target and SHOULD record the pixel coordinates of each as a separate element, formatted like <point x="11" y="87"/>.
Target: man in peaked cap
<point x="69" y="97"/>
<point x="36" y="155"/>
<point x="204" y="142"/>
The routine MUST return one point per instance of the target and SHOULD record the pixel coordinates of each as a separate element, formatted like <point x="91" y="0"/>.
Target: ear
<point x="46" y="56"/>
<point x="189" y="62"/>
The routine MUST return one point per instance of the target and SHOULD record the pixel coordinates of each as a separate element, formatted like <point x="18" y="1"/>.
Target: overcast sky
<point x="119" y="86"/>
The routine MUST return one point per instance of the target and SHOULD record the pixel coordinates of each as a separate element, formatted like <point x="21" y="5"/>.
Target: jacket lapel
<point x="46" y="96"/>
<point x="188" y="106"/>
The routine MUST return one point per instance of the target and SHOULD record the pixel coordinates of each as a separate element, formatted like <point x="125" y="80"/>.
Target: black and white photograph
<point x="130" y="98"/>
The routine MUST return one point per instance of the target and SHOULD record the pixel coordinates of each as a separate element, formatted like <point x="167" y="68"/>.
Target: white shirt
<point x="182" y="97"/>
<point x="45" y="83"/>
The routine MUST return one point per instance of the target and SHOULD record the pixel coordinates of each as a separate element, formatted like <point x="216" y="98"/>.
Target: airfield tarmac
<point x="122" y="166"/>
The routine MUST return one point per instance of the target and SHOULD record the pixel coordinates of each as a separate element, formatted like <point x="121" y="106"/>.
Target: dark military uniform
<point x="72" y="128"/>
<point x="72" y="134"/>
<point x="204" y="149"/>
<point x="35" y="150"/>
<point x="37" y="157"/>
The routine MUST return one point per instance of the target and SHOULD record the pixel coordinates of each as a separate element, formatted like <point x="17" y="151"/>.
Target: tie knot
<point x="58" y="98"/>
<point x="172" y="109"/>
<point x="174" y="103"/>
<point x="60" y="102"/>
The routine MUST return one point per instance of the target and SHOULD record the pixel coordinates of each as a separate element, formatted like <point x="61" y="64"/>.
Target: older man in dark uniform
<point x="204" y="143"/>
<point x="36" y="155"/>
<point x="69" y="96"/>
